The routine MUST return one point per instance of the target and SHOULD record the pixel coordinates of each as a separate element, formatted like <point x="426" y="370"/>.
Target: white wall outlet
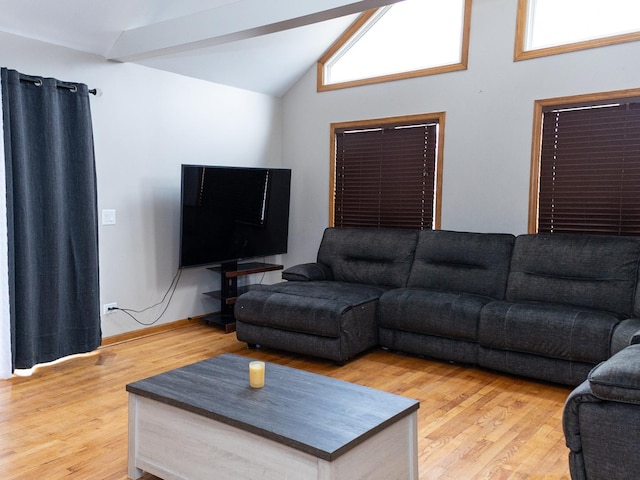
<point x="107" y="306"/>
<point x="109" y="217"/>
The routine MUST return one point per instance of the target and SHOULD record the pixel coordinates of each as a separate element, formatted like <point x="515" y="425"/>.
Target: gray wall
<point x="489" y="113"/>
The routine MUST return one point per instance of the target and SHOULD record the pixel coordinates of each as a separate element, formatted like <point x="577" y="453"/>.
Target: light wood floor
<point x="70" y="420"/>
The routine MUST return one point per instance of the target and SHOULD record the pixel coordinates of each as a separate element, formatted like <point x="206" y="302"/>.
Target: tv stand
<point x="229" y="289"/>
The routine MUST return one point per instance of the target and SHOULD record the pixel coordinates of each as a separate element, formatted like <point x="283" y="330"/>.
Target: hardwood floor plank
<point x="69" y="420"/>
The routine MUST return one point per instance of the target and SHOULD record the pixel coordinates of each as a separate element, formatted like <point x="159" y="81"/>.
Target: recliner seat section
<point x="567" y="296"/>
<point x="454" y="275"/>
<point x="549" y="307"/>
<point x="328" y="309"/>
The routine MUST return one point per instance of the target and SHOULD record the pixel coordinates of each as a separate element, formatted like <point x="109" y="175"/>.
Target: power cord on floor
<point x="170" y="291"/>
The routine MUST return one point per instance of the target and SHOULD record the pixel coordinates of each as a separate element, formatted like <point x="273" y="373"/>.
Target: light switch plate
<point x="108" y="217"/>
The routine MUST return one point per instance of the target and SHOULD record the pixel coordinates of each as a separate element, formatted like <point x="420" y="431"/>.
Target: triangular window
<point x="407" y="39"/>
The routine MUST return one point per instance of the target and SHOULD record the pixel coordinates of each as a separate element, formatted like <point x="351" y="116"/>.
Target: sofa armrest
<point x="626" y="333"/>
<point x="570" y="419"/>
<point x="618" y="379"/>
<point x="308" y="272"/>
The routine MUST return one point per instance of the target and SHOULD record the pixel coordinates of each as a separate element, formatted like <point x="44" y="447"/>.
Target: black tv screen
<point x="232" y="213"/>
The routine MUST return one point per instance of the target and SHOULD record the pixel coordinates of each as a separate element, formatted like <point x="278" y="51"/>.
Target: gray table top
<point x="318" y="415"/>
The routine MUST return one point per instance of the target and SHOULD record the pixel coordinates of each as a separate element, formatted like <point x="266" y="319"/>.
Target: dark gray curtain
<point x="51" y="218"/>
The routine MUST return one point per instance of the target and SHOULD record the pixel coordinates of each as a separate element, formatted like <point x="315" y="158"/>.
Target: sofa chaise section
<point x="454" y="275"/>
<point x="328" y="308"/>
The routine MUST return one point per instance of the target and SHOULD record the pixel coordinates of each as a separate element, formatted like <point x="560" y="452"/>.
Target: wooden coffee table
<point x="203" y="421"/>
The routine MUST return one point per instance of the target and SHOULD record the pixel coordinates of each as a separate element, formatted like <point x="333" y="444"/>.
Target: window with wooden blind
<point x="385" y="173"/>
<point x="589" y="167"/>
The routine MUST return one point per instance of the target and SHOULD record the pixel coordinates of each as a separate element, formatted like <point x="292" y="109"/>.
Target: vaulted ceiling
<point x="259" y="45"/>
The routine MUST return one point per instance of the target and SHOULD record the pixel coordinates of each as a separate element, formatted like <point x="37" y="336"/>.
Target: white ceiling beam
<point x="228" y="23"/>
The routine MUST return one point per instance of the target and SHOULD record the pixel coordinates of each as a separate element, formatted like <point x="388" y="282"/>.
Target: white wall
<point x="146" y="124"/>
<point x="489" y="113"/>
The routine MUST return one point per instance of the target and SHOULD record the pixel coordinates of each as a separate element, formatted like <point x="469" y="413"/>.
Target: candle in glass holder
<point x="256" y="374"/>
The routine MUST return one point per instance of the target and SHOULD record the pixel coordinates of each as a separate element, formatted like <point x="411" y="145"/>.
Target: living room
<point x="147" y="122"/>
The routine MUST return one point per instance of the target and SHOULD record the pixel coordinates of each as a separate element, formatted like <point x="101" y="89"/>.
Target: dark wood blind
<point x="590" y="170"/>
<point x="385" y="177"/>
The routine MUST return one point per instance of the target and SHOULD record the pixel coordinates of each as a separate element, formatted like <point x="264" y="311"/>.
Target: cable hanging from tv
<point x="170" y="291"/>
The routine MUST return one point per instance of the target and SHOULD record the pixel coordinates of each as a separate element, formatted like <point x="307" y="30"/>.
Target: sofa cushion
<point x="618" y="379"/>
<point x="375" y="256"/>
<point x="589" y="271"/>
<point x="475" y="263"/>
<point x="429" y="312"/>
<point x="555" y="331"/>
<point x="306" y="307"/>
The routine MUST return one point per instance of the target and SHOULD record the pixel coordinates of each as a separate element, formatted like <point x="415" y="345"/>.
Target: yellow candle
<point x="256" y="374"/>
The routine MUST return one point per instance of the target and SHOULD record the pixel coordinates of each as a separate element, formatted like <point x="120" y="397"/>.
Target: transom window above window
<point x="547" y="27"/>
<point x="406" y="39"/>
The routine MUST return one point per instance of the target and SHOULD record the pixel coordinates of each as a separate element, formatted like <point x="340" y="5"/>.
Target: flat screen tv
<point x="232" y="213"/>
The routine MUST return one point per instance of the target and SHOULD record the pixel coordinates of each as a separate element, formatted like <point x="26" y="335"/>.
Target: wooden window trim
<point x="521" y="31"/>
<point x="361" y="20"/>
<point x="438" y="117"/>
<point x="536" y="144"/>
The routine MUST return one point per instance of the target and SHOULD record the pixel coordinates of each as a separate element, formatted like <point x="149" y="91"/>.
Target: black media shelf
<point x="229" y="290"/>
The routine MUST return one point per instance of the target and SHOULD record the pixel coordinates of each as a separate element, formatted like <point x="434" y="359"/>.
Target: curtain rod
<point x="74" y="88"/>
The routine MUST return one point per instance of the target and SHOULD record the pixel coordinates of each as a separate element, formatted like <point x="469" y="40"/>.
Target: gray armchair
<point x="601" y="420"/>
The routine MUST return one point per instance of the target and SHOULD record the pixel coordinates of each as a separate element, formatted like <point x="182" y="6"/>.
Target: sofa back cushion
<point x="584" y="270"/>
<point x="375" y="256"/>
<point x="476" y="263"/>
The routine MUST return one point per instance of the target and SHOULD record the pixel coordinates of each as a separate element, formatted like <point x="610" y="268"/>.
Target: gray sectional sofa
<point x="549" y="307"/>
